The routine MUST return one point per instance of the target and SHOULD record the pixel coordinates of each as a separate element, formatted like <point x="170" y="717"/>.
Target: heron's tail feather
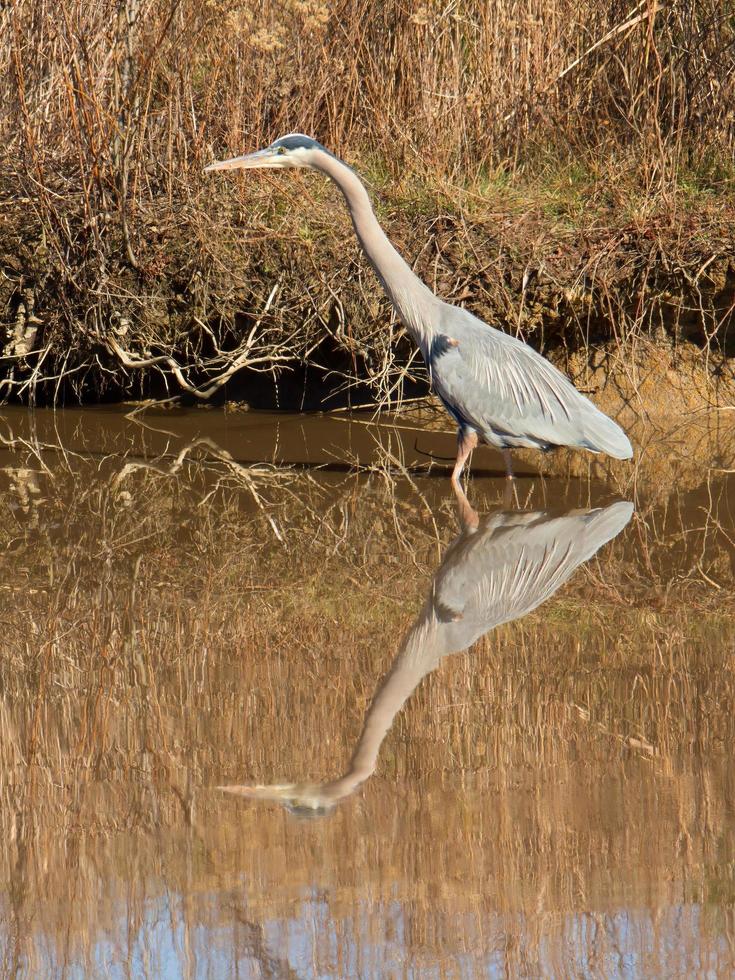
<point x="602" y="435"/>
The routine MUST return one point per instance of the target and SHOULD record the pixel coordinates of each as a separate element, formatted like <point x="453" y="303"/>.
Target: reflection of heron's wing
<point x="499" y="572"/>
<point x="512" y="564"/>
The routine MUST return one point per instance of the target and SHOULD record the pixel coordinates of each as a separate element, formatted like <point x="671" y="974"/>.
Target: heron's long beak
<point x="251" y="161"/>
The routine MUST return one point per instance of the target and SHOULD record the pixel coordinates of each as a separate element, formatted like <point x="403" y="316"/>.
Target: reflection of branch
<point x="637" y="743"/>
<point x="34" y="448"/>
<point x="136" y="465"/>
<point x="256" y="943"/>
<point x="166" y="464"/>
<point x="243" y="473"/>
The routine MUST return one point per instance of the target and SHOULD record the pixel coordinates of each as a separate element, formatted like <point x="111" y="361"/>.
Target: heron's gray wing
<point x="511" y="394"/>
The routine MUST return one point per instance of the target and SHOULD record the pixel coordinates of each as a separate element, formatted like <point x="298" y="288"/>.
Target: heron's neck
<point x="412" y="299"/>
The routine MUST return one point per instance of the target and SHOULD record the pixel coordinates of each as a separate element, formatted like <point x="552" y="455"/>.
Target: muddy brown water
<point x="445" y="752"/>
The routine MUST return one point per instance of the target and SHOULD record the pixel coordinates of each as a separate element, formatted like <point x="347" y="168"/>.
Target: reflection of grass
<point x="159" y="639"/>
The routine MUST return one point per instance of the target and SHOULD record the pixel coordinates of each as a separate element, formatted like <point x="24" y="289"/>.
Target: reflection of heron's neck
<point x="411" y="297"/>
<point x="419" y="655"/>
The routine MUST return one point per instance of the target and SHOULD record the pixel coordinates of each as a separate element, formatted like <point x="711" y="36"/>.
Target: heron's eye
<point x="281" y="150"/>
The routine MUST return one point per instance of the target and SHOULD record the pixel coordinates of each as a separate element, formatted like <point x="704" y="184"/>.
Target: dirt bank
<point x="257" y="291"/>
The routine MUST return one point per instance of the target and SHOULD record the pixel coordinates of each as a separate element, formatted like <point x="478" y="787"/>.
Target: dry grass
<point x="126" y="271"/>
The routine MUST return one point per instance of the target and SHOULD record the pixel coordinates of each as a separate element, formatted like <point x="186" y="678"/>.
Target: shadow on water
<point x="189" y="601"/>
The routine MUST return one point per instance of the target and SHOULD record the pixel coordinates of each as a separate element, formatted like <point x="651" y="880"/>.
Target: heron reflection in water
<point x="496" y="570"/>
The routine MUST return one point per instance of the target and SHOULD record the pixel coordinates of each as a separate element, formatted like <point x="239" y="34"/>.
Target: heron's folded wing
<point x="492" y="380"/>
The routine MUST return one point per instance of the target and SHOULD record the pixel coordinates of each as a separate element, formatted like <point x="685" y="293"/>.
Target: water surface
<point x="450" y="751"/>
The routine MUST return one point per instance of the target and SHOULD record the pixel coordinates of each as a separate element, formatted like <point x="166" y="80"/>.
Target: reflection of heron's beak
<point x="276" y="792"/>
<point x="251" y="161"/>
<point x="300" y="799"/>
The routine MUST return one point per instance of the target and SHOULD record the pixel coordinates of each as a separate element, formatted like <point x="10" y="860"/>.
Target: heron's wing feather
<point x="500" y="385"/>
<point x="502" y="576"/>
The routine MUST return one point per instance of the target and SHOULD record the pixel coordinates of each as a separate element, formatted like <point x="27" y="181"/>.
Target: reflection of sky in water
<point x="625" y="944"/>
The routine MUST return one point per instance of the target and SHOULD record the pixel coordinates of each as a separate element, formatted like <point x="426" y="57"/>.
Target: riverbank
<point x="255" y="289"/>
<point x="566" y="175"/>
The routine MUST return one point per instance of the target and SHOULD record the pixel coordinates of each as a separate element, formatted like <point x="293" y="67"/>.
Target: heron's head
<point x="294" y="150"/>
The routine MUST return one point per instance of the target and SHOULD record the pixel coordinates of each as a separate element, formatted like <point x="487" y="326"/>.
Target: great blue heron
<point x="493" y="573"/>
<point x="498" y="389"/>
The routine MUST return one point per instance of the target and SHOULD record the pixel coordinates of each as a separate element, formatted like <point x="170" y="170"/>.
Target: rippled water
<point x="268" y="709"/>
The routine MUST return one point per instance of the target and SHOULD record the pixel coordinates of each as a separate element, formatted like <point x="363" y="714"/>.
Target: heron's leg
<point x="466" y="442"/>
<point x="511" y="491"/>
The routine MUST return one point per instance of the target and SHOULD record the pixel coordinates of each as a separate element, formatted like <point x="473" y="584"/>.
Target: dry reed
<point x="126" y="271"/>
